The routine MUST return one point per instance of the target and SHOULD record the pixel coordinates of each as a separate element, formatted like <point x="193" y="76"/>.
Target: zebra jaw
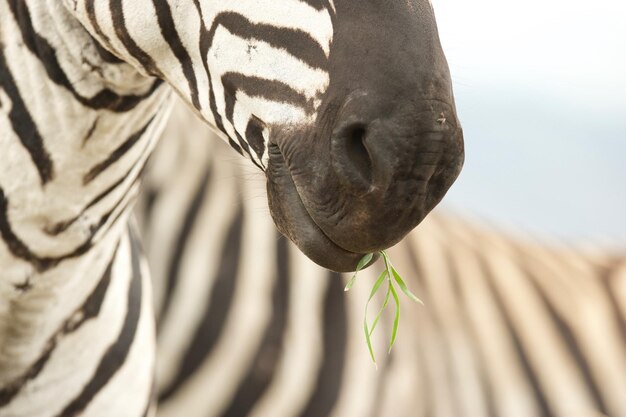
<point x="294" y="221"/>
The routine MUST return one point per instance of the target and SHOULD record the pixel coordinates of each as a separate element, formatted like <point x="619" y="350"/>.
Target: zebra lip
<point x="294" y="221"/>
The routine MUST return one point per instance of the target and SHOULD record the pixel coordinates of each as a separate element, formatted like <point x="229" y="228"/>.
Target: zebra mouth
<point x="294" y="221"/>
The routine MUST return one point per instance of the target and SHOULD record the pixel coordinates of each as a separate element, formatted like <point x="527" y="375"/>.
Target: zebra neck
<point x="100" y="343"/>
<point x="37" y="309"/>
<point x="75" y="131"/>
<point x="76" y="128"/>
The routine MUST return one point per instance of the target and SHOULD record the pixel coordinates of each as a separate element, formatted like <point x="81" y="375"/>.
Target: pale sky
<point x="541" y="92"/>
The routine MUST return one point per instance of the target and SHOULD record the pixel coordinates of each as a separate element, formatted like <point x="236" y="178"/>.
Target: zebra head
<point x="346" y="105"/>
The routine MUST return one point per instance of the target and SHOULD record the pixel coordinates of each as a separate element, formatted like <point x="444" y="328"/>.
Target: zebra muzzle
<point x="294" y="221"/>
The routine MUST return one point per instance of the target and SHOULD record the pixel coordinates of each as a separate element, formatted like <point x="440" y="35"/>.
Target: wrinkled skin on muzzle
<point x="386" y="144"/>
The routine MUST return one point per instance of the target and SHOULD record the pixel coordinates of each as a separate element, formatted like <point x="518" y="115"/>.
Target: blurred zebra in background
<point x="247" y="326"/>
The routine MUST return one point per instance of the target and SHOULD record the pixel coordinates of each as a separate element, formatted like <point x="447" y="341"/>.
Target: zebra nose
<point x="352" y="157"/>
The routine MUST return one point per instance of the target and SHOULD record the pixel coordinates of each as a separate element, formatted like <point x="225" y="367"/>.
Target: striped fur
<point x="242" y="66"/>
<point x="249" y="327"/>
<point x="85" y="91"/>
<point x="76" y="318"/>
<point x="81" y="107"/>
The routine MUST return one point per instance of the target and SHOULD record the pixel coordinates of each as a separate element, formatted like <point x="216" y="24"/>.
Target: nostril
<point x="358" y="154"/>
<point x="351" y="157"/>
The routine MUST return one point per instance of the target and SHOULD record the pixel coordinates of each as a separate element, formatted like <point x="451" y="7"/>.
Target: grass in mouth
<point x="389" y="275"/>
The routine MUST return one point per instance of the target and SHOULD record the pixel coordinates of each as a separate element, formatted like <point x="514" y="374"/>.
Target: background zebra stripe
<point x="511" y="327"/>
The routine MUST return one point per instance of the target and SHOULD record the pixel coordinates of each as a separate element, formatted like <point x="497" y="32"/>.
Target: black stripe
<point x="119" y="152"/>
<point x="614" y="303"/>
<point x="288" y="39"/>
<point x="217" y="308"/>
<point x="106" y="55"/>
<point x="149" y="407"/>
<point x="23" y="124"/>
<point x="446" y="349"/>
<point x="60" y="227"/>
<point x="181" y="241"/>
<point x="545" y="410"/>
<point x="271" y="90"/>
<point x="265" y="361"/>
<point x="319" y="4"/>
<point x="330" y="375"/>
<point x="116" y="184"/>
<point x="121" y="30"/>
<point x="90" y="132"/>
<point x="245" y="146"/>
<point x="456" y="275"/>
<point x="254" y="136"/>
<point x="150" y="402"/>
<point x="234" y="145"/>
<point x="14" y="244"/>
<point x="119" y="212"/>
<point x="569" y="340"/>
<point x="116" y="355"/>
<point x="10" y="391"/>
<point x="416" y="262"/>
<point x="93" y="19"/>
<point x="41" y="263"/>
<point x="295" y="42"/>
<point x="565" y="330"/>
<point x="95" y="228"/>
<point x="205" y="42"/>
<point x="257" y="87"/>
<point x="149" y="199"/>
<point x="170" y="34"/>
<point x="88" y="310"/>
<point x="242" y="143"/>
<point x="206" y="39"/>
<point x="46" y="53"/>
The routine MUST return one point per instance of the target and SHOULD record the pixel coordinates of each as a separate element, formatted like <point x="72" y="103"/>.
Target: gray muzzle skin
<point x="386" y="145"/>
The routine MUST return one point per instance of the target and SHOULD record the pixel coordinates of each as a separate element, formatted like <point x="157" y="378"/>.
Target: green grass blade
<point x="387" y="261"/>
<point x="375" y="288"/>
<point x="350" y="283"/>
<point x="380" y="312"/>
<point x="391" y="274"/>
<point x="367" y="336"/>
<point x="364" y="261"/>
<point x="396" y="320"/>
<point x="377" y="284"/>
<point x="403" y="286"/>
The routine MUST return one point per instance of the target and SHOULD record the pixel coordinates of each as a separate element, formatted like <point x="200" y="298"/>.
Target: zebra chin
<point x="293" y="220"/>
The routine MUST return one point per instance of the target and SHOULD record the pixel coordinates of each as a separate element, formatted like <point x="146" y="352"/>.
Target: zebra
<point x="511" y="326"/>
<point x="87" y="86"/>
